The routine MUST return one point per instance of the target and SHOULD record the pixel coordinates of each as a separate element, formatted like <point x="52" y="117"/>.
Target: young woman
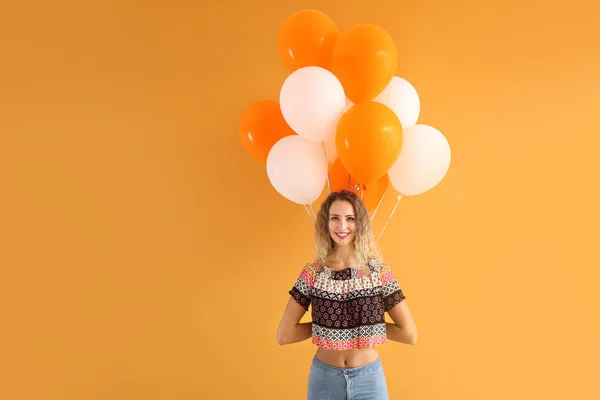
<point x="350" y="289"/>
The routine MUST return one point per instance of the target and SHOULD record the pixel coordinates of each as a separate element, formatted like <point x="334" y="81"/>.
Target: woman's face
<point x="342" y="222"/>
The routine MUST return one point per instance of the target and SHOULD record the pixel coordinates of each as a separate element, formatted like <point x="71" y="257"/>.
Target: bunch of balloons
<point x="343" y="118"/>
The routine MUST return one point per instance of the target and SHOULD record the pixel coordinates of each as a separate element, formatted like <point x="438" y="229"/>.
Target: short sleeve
<point x="392" y="293"/>
<point x="301" y="291"/>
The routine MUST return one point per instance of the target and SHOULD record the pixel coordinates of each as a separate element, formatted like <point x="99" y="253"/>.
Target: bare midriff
<point x="347" y="358"/>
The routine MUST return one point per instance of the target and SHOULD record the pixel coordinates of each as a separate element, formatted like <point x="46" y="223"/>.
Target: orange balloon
<point x="371" y="193"/>
<point x="306" y="39"/>
<point x="340" y="178"/>
<point x="365" y="60"/>
<point x="368" y="140"/>
<point x="260" y="127"/>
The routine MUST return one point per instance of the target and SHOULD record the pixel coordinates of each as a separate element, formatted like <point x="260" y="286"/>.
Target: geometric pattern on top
<point x="348" y="306"/>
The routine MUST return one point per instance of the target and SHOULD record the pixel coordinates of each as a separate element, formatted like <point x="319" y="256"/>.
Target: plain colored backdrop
<point x="144" y="254"/>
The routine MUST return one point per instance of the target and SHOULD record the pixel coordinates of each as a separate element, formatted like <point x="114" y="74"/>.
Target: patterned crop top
<point x="348" y="305"/>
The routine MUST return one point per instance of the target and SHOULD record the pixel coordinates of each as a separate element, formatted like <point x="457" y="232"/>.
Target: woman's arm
<point x="290" y="329"/>
<point x="404" y="329"/>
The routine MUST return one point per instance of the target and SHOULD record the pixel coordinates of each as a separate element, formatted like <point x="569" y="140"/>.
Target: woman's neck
<point x="344" y="256"/>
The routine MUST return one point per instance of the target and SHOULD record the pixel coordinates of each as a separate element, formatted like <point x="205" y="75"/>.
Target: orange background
<point x="144" y="254"/>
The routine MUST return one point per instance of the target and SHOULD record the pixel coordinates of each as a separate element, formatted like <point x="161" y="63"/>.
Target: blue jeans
<point x="361" y="383"/>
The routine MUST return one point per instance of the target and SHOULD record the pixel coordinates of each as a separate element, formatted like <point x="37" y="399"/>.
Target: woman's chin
<point x="342" y="243"/>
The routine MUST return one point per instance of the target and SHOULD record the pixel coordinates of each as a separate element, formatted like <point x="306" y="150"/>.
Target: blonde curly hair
<point x="365" y="246"/>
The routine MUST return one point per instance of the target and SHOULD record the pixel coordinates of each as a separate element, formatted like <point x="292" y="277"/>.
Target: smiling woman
<point x="350" y="290"/>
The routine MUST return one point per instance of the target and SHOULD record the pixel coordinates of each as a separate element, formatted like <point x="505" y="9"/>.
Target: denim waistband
<point x="356" y="371"/>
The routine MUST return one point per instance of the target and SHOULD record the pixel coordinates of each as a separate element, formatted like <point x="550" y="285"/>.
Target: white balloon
<point x="403" y="99"/>
<point x="423" y="162"/>
<point x="297" y="169"/>
<point x="312" y="101"/>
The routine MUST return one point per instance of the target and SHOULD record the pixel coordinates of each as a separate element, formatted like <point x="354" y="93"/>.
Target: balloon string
<point x="390" y="217"/>
<point x="308" y="212"/>
<point x="348" y="181"/>
<point x="313" y="211"/>
<point x="328" y="178"/>
<point x="379" y="204"/>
